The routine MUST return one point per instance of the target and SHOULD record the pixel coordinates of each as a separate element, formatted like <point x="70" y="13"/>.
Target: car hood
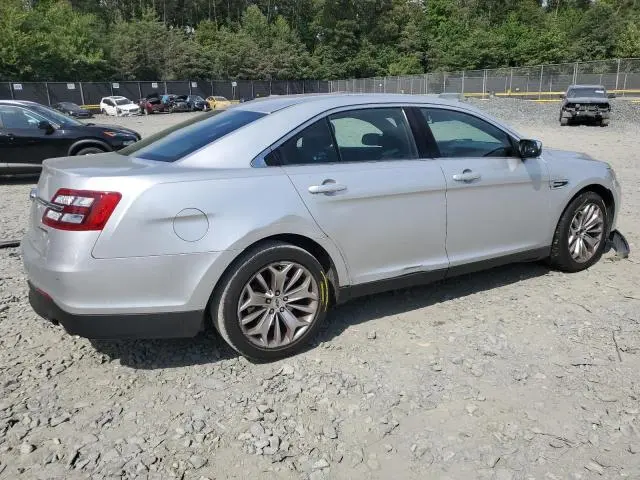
<point x="129" y="106"/>
<point x="555" y="156"/>
<point x="587" y="100"/>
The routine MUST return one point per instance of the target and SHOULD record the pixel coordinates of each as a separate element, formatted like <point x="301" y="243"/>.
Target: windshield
<point x="180" y="140"/>
<point x="587" y="92"/>
<point x="123" y="101"/>
<point x="54" y="116"/>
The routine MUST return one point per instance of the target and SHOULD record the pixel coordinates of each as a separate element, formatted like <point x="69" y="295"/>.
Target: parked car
<point x="72" y="109"/>
<point x="196" y="102"/>
<point x="586" y="103"/>
<point x="31" y="133"/>
<point x="152" y="104"/>
<point x="118" y="106"/>
<point x="218" y="102"/>
<point x="178" y="103"/>
<point x="264" y="215"/>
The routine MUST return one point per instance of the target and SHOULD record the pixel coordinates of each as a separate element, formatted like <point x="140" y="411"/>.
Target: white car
<point x="118" y="106"/>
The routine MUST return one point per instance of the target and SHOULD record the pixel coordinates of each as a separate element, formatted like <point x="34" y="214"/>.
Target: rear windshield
<point x="180" y="140"/>
<point x="586" y="92"/>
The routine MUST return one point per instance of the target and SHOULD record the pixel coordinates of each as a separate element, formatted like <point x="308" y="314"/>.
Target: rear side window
<point x="373" y="134"/>
<point x="311" y="146"/>
<point x="179" y="141"/>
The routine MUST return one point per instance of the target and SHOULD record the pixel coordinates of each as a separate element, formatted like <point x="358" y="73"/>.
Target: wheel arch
<point x="604" y="192"/>
<point x="310" y="245"/>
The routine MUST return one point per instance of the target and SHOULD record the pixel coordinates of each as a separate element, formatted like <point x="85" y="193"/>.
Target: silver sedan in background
<point x="259" y="218"/>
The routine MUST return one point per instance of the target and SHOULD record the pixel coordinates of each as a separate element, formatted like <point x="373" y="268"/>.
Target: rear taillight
<point x="80" y="210"/>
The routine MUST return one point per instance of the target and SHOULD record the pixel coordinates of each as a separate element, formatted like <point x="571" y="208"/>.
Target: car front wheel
<point x="272" y="302"/>
<point x="581" y="233"/>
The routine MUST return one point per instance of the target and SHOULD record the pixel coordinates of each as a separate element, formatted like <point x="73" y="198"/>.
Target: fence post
<point x="444" y="82"/>
<point x="46" y="87"/>
<point x="540" y="87"/>
<point x="411" y="85"/>
<point x="140" y="90"/>
<point x="13" y="97"/>
<point x="384" y="85"/>
<point x="575" y="73"/>
<point x="510" y="80"/>
<point x="81" y="93"/>
<point x="617" y="74"/>
<point x="484" y="83"/>
<point x="426" y="83"/>
<point x="190" y="92"/>
<point x="462" y="92"/>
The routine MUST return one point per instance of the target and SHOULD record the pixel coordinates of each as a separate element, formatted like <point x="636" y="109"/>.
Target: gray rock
<point x="595" y="468"/>
<point x="372" y="335"/>
<point x="26" y="448"/>
<point x="503" y="474"/>
<point x="320" y="464"/>
<point x="257" y="430"/>
<point x="329" y="431"/>
<point x="197" y="461"/>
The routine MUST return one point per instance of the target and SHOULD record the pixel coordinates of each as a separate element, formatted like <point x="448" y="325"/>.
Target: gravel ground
<point x="515" y="373"/>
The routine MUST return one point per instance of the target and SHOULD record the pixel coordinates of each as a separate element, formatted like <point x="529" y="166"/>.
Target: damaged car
<point x="152" y="103"/>
<point x="586" y="104"/>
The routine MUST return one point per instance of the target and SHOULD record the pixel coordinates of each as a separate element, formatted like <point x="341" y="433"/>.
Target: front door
<point x="359" y="174"/>
<point x="497" y="203"/>
<point x="27" y="144"/>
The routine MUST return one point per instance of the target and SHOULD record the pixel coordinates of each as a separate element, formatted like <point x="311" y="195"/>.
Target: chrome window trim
<point x="260" y="162"/>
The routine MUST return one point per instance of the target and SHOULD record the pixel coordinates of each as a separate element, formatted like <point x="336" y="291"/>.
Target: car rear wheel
<point x="272" y="302"/>
<point x="581" y="233"/>
<point x="89" y="151"/>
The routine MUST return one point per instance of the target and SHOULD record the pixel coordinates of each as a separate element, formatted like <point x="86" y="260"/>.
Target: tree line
<point x="295" y="39"/>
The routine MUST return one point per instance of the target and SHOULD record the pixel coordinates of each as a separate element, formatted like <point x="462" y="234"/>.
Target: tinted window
<point x="18" y="118"/>
<point x="176" y="142"/>
<point x="586" y="92"/>
<point x="313" y="145"/>
<point x="373" y="134"/>
<point x="459" y="134"/>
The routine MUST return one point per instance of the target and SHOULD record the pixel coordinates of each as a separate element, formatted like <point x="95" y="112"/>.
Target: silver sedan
<point x="257" y="219"/>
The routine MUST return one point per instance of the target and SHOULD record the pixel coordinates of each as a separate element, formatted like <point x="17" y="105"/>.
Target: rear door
<point x="497" y="202"/>
<point x="359" y="174"/>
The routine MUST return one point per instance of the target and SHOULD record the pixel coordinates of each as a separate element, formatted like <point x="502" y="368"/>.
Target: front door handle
<point x="327" y="187"/>
<point x="466" y="176"/>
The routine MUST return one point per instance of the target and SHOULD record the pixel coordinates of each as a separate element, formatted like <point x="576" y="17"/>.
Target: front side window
<point x="460" y="134"/>
<point x="18" y="118"/>
<point x="185" y="138"/>
<point x="373" y="134"/>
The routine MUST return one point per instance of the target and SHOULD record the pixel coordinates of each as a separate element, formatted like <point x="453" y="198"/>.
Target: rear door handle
<point x="327" y="188"/>
<point x="466" y="176"/>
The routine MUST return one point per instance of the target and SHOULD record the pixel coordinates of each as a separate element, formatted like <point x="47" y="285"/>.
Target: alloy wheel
<point x="585" y="232"/>
<point x="278" y="304"/>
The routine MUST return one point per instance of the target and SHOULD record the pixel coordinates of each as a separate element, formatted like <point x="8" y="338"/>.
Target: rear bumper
<point x="118" y="326"/>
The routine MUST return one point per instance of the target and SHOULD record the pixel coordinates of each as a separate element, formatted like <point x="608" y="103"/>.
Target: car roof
<point x="23" y="103"/>
<point x="327" y="101"/>
<point x="599" y="87"/>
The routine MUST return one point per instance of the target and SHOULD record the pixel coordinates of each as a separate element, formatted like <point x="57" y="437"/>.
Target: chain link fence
<point x="90" y="93"/>
<point x="620" y="76"/>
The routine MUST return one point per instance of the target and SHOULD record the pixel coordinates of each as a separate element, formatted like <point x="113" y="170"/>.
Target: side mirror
<point x="530" y="148"/>
<point x="611" y="95"/>
<point x="46" y="126"/>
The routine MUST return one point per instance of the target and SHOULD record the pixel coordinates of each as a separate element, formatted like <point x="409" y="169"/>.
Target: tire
<point x="564" y="121"/>
<point x="604" y="122"/>
<point x="89" y="151"/>
<point x="561" y="256"/>
<point x="226" y="309"/>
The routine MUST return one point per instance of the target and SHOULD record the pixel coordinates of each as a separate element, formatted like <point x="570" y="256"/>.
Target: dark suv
<point x="31" y="133"/>
<point x="586" y="103"/>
